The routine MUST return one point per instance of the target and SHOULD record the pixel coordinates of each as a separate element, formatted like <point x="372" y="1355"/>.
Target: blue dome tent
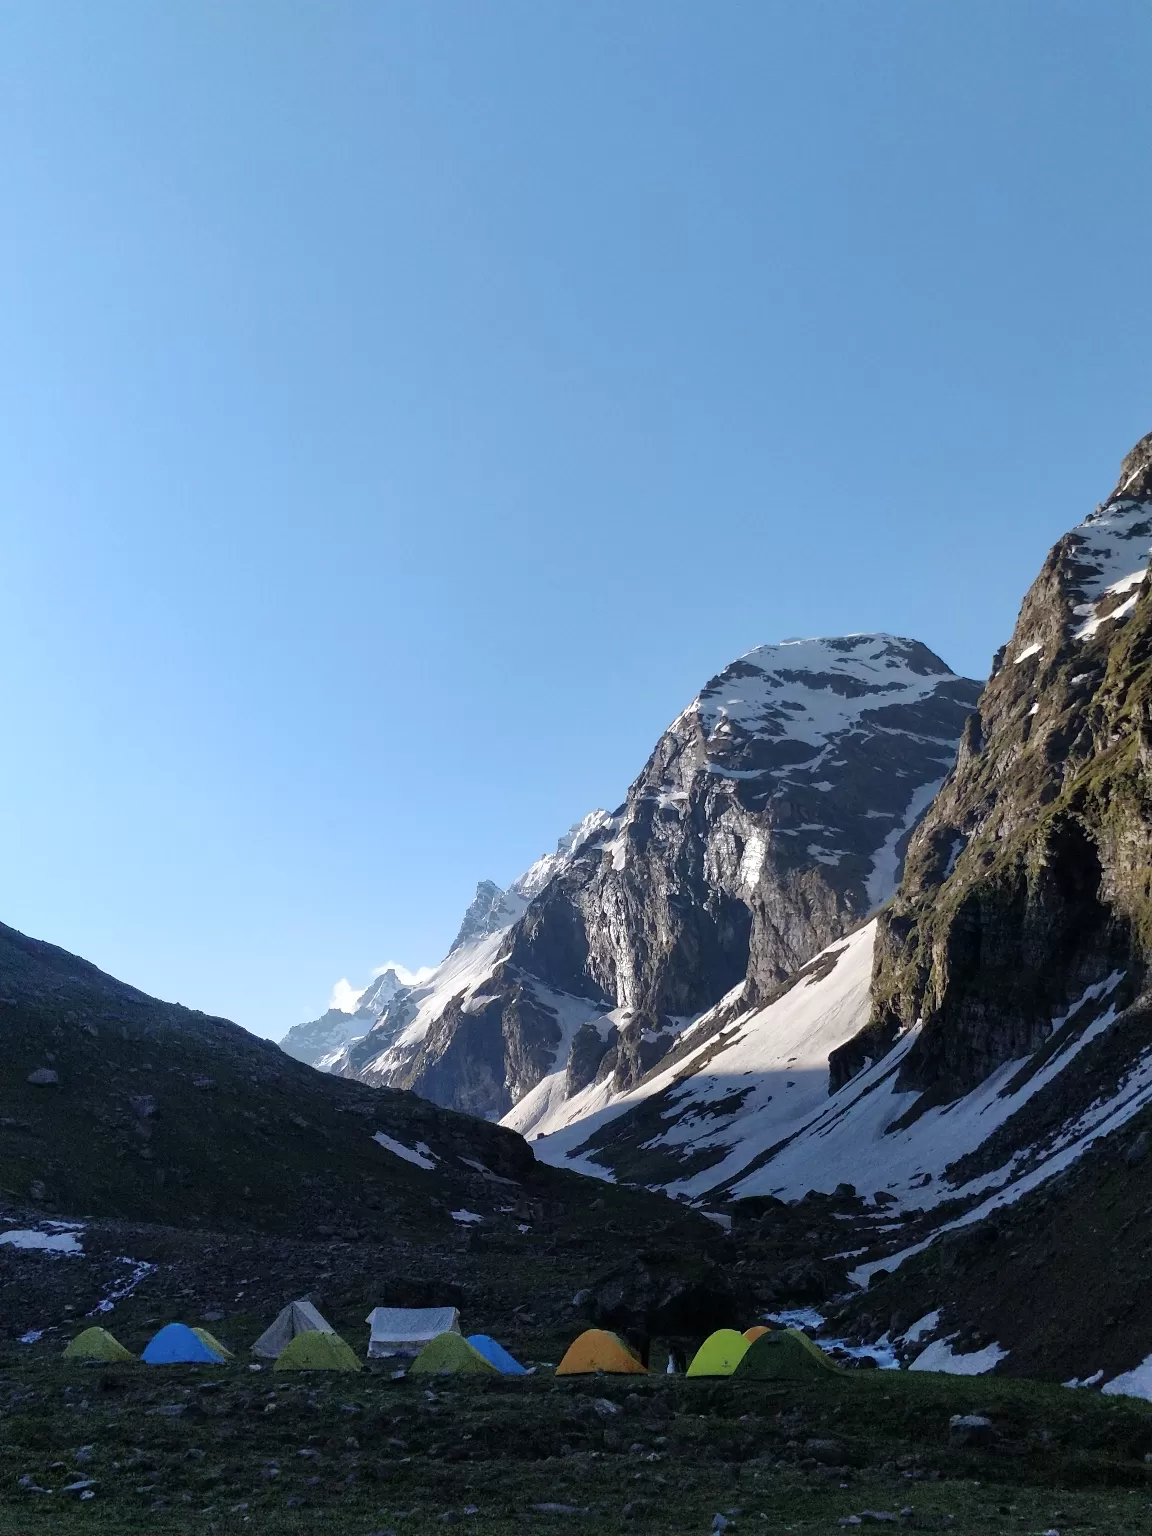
<point x="496" y="1355"/>
<point x="177" y="1345"/>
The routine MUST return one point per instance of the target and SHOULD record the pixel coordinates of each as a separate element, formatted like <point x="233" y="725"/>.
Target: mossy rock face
<point x="1030" y="878"/>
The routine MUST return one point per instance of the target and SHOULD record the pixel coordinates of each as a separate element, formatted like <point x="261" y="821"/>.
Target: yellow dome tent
<point x="720" y="1353"/>
<point x="97" y="1344"/>
<point x="316" y="1351"/>
<point x="756" y="1332"/>
<point x="596" y="1350"/>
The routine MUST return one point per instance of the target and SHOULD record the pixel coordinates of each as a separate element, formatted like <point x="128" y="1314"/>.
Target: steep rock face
<point x="770" y="818"/>
<point x="1030" y="879"/>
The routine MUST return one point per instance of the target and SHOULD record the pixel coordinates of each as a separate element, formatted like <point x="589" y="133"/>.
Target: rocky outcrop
<point x="771" y="817"/>
<point x="1027" y="886"/>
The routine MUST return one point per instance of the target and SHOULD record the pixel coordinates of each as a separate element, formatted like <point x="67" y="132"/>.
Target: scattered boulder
<point x="44" y="1077"/>
<point x="830" y="1453"/>
<point x="965" y="1429"/>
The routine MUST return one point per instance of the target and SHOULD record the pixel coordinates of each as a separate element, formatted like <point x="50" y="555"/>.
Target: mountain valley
<point x="841" y="1017"/>
<point x="968" y="1048"/>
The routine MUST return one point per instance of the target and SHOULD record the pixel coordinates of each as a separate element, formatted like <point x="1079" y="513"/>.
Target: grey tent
<point x="297" y="1317"/>
<point x="406" y="1330"/>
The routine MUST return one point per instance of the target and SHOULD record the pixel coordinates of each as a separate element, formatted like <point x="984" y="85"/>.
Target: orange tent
<point x="752" y="1334"/>
<point x="596" y="1350"/>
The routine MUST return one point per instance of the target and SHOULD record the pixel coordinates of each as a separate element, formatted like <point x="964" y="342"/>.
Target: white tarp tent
<point x="297" y="1317"/>
<point x="406" y="1330"/>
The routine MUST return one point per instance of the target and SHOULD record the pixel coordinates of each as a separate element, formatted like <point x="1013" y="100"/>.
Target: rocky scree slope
<point x="770" y="818"/>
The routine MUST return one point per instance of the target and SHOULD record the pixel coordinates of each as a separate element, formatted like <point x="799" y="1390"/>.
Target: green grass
<point x="383" y="1455"/>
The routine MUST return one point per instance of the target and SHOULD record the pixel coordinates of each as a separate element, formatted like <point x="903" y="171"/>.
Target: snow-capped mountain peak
<point x="770" y="817"/>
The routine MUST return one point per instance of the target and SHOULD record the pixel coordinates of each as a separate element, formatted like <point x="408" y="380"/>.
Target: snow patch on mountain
<point x="747" y="1111"/>
<point x="885" y="873"/>
<point x="811" y="691"/>
<point x="739" y="1092"/>
<point x="1113" y="548"/>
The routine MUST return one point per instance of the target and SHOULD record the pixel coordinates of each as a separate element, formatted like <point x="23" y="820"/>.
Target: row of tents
<point x="779" y="1354"/>
<point x="431" y="1343"/>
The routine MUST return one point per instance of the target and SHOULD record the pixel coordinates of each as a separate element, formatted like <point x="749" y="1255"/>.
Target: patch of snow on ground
<point x="422" y="1159"/>
<point x="1134" y="1383"/>
<point x="495" y="1178"/>
<point x="139" y="1268"/>
<point x="46" y="1242"/>
<point x="465" y="1217"/>
<point x="923" y="1325"/>
<point x="940" y="1357"/>
<point x="1029" y="650"/>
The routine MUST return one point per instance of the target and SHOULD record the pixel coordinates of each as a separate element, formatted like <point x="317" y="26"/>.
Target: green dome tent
<point x="97" y="1344"/>
<point x="213" y="1343"/>
<point x="450" y="1354"/>
<point x="785" y="1354"/>
<point x="297" y="1317"/>
<point x="720" y="1353"/>
<point x="316" y="1351"/>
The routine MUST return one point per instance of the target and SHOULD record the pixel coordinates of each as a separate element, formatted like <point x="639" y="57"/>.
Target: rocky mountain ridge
<point x="771" y="817"/>
<point x="977" y="1059"/>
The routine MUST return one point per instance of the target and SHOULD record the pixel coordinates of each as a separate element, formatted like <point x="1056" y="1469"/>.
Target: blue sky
<point x="405" y="408"/>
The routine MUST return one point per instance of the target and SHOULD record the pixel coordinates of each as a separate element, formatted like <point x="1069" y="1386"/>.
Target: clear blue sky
<point x="405" y="407"/>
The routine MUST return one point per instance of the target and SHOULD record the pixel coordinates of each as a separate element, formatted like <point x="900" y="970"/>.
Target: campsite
<point x="174" y="1429"/>
<point x="227" y="1448"/>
